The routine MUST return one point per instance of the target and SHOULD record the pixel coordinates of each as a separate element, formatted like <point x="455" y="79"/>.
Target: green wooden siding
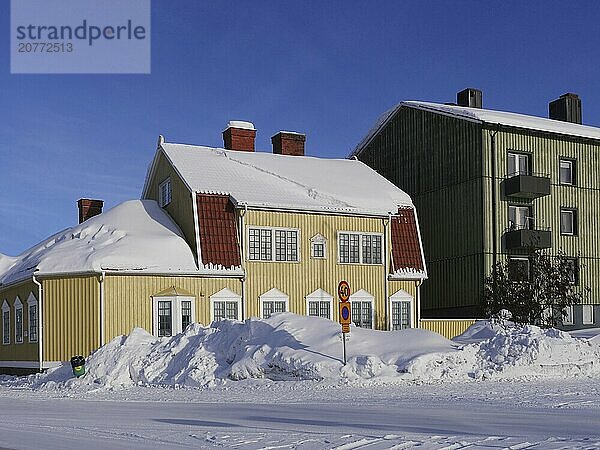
<point x="25" y="351"/>
<point x="437" y="160"/>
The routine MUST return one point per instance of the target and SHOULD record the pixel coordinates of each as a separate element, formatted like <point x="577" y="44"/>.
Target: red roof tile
<point x="406" y="248"/>
<point x="218" y="230"/>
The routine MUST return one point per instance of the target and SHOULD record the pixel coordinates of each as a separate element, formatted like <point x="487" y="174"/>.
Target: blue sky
<point x="324" y="68"/>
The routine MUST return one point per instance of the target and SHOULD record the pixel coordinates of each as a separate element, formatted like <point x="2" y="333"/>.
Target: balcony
<point x="527" y="185"/>
<point x="527" y="237"/>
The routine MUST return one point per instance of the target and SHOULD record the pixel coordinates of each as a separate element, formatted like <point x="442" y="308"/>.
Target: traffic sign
<point x="345" y="316"/>
<point x="344" y="291"/>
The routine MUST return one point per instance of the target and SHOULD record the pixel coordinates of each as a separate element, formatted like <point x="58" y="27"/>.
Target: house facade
<point x="492" y="185"/>
<point x="217" y="234"/>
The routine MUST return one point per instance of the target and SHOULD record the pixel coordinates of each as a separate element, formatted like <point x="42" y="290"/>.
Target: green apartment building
<point x="491" y="185"/>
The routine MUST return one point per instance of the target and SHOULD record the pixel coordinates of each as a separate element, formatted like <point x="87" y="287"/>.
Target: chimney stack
<point x="566" y="108"/>
<point x="470" y="98"/>
<point x="239" y="135"/>
<point x="89" y="208"/>
<point x="288" y="143"/>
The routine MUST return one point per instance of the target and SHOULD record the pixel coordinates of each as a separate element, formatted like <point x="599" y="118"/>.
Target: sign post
<point x="345" y="314"/>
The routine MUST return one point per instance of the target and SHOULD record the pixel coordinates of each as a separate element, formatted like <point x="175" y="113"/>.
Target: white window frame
<point x="273" y="295"/>
<point x="399" y="297"/>
<point x="318" y="239"/>
<point x="518" y="156"/>
<point x="225" y="295"/>
<point x="320" y="295"/>
<point x="362" y="296"/>
<point x="19" y="307"/>
<point x="5" y="332"/>
<point x="176" y="310"/>
<point x="568" y="318"/>
<point x="273" y="244"/>
<point x="360" y="247"/>
<point x="166" y="199"/>
<point x="573" y="213"/>
<point x="587" y="319"/>
<point x="572" y="167"/>
<point x="32" y="301"/>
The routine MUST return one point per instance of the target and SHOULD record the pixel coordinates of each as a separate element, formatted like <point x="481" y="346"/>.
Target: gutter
<point x="101" y="312"/>
<point x="386" y="269"/>
<point x="242" y="256"/>
<point x="40" y="322"/>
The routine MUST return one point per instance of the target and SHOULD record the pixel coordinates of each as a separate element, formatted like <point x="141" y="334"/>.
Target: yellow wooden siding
<point x="449" y="328"/>
<point x="25" y="351"/>
<point x="546" y="150"/>
<point x="128" y="299"/>
<point x="180" y="208"/>
<point x="298" y="279"/>
<point x="71" y="317"/>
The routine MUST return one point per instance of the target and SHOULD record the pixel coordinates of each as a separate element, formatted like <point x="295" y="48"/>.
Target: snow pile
<point x="135" y="235"/>
<point x="292" y="347"/>
<point x="510" y="352"/>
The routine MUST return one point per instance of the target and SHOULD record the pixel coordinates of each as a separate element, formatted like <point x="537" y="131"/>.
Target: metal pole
<point x="344" y="339"/>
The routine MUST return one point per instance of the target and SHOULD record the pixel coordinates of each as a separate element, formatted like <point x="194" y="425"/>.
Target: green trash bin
<point x="78" y="365"/>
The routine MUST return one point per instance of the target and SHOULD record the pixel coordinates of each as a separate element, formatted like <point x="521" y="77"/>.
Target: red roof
<point x="218" y="230"/>
<point x="406" y="248"/>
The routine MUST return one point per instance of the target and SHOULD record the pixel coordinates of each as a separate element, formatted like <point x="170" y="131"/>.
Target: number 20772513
<point x="45" y="47"/>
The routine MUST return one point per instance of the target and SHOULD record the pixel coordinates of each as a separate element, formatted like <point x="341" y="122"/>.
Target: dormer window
<point x="164" y="193"/>
<point x="318" y="247"/>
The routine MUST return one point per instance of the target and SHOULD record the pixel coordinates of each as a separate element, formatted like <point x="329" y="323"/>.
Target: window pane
<point x="33" y="323"/>
<point x="6" y="327"/>
<point x="324" y="310"/>
<point x="266" y="244"/>
<point x="512" y="164"/>
<point x="405" y="315"/>
<point x="313" y="308"/>
<point x="219" y="310"/>
<point x="318" y="250"/>
<point x="19" y="325"/>
<point x="376" y="241"/>
<point x="356" y="316"/>
<point x="566" y="222"/>
<point x="354" y="248"/>
<point x="367" y="257"/>
<point x="232" y="310"/>
<point x="186" y="314"/>
<point x="567" y="318"/>
<point x="344" y="248"/>
<point x="279" y="307"/>
<point x="254" y="244"/>
<point x="367" y="315"/>
<point x="280" y="244"/>
<point x="165" y="319"/>
<point x="396" y="316"/>
<point x="292" y="246"/>
<point x="566" y="171"/>
<point x="588" y="314"/>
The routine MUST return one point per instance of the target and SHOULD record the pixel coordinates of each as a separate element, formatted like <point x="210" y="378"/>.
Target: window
<point x="32" y="319"/>
<point x="173" y="310"/>
<point x="519" y="164"/>
<point x="567" y="316"/>
<point x="263" y="243"/>
<point x="518" y="269"/>
<point x="519" y="217"/>
<point x="568" y="222"/>
<point x="567" y="173"/>
<point x="318" y="246"/>
<point x="357" y="248"/>
<point x="319" y="304"/>
<point x="573" y="267"/>
<point x="164" y="193"/>
<point x="165" y="318"/>
<point x="401" y="310"/>
<point x="588" y="314"/>
<point x="18" y="321"/>
<point x="186" y="314"/>
<point x="273" y="301"/>
<point x="5" y="323"/>
<point x="361" y="306"/>
<point x="226" y="304"/>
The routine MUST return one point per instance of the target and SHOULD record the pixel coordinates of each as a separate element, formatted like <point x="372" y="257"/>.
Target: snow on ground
<point x="280" y="383"/>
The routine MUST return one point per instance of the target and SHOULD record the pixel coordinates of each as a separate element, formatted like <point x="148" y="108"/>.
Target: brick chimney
<point x="89" y="208"/>
<point x="566" y="108"/>
<point x="288" y="143"/>
<point x="239" y="135"/>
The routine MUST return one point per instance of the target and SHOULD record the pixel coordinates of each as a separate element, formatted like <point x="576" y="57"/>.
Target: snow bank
<point x="135" y="235"/>
<point x="292" y="347"/>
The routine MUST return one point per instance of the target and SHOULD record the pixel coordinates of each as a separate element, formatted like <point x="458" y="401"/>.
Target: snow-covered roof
<point x="135" y="236"/>
<point x="267" y="180"/>
<point x="488" y="116"/>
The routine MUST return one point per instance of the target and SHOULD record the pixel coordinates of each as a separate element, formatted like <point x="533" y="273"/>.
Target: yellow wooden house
<point x="219" y="233"/>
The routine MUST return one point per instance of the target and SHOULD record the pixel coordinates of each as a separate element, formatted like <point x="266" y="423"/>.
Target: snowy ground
<point x="547" y="414"/>
<point x="280" y="383"/>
